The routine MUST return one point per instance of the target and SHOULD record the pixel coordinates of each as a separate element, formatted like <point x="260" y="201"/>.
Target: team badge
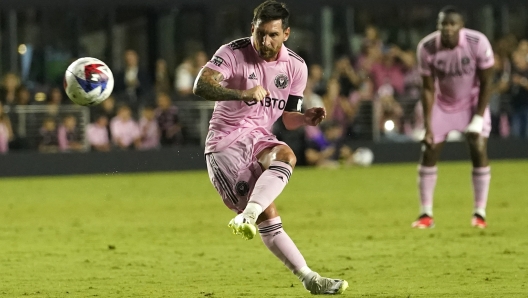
<point x="281" y="81"/>
<point x="242" y="188"/>
<point x="465" y="61"/>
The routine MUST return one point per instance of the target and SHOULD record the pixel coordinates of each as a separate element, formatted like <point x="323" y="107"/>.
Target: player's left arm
<point x="485" y="78"/>
<point x="293" y="120"/>
<point x="485" y="61"/>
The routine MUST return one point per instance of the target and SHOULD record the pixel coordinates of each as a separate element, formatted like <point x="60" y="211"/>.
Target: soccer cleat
<point x="243" y="226"/>
<point x="478" y="221"/>
<point x="423" y="222"/>
<point x="318" y="285"/>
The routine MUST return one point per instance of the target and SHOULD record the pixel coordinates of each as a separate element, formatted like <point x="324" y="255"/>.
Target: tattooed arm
<point x="207" y="86"/>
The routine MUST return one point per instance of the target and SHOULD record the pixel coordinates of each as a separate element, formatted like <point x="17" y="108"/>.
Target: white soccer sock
<point x="252" y="212"/>
<point x="301" y="274"/>
<point x="480" y="211"/>
<point x="426" y="210"/>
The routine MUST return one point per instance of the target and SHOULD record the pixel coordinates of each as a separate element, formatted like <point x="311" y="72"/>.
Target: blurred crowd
<point x="380" y="82"/>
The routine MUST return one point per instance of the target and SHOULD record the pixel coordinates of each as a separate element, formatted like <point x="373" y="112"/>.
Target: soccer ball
<point x="88" y="81"/>
<point x="363" y="156"/>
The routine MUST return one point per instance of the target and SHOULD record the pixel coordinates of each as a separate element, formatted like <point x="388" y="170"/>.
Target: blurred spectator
<point x="69" y="136"/>
<point x="372" y="38"/>
<point x="168" y="121"/>
<point x="6" y="132"/>
<point x="125" y="131"/>
<point x="8" y="89"/>
<point x="21" y="142"/>
<point x="522" y="48"/>
<point x="49" y="140"/>
<point x="316" y="79"/>
<point x="519" y="103"/>
<point x="107" y="108"/>
<point x="163" y="77"/>
<point x="23" y="96"/>
<point x="53" y="103"/>
<point x="148" y="126"/>
<point x="391" y="69"/>
<point x="132" y="83"/>
<point x="327" y="148"/>
<point x="187" y="71"/>
<point x="390" y="114"/>
<point x="97" y="134"/>
<point x="310" y="98"/>
<point x="339" y="108"/>
<point x="499" y="97"/>
<point x="412" y="93"/>
<point x="349" y="80"/>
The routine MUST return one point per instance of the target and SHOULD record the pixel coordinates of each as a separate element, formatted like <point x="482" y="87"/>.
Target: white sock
<point x="252" y="212"/>
<point x="426" y="210"/>
<point x="480" y="211"/>
<point x="301" y="273"/>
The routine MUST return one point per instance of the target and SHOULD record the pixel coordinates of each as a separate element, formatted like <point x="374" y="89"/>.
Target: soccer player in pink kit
<point x="254" y="81"/>
<point x="455" y="64"/>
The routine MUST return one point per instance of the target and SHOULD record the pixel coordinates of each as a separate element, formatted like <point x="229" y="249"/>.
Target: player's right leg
<point x="427" y="175"/>
<point x="282" y="246"/>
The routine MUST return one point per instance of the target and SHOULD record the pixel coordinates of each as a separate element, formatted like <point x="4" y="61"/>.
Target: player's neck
<point x="451" y="44"/>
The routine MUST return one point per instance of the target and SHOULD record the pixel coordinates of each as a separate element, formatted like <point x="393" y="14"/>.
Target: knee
<point x="285" y="154"/>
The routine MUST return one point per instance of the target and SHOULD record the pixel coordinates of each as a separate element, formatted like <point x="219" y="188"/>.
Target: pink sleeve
<point x="63" y="141"/>
<point x="423" y="61"/>
<point x="223" y="61"/>
<point x="300" y="76"/>
<point x="485" y="58"/>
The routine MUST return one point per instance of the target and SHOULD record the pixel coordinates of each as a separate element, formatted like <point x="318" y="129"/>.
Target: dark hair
<point x="450" y="9"/>
<point x="271" y="10"/>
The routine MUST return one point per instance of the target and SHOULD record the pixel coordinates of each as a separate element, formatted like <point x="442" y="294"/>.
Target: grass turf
<point x="166" y="235"/>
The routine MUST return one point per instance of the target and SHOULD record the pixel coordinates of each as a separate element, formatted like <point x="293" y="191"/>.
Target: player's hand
<point x="256" y="93"/>
<point x="314" y="116"/>
<point x="475" y="126"/>
<point x="428" y="139"/>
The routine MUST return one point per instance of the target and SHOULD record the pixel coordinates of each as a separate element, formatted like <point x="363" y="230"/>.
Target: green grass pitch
<point x="166" y="235"/>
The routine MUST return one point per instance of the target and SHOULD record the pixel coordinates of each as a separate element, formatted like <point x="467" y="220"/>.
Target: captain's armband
<point x="294" y="103"/>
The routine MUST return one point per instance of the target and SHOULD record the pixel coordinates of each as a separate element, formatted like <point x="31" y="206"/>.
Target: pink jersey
<point x="454" y="70"/>
<point x="97" y="135"/>
<point x="125" y="131"/>
<point x="242" y="69"/>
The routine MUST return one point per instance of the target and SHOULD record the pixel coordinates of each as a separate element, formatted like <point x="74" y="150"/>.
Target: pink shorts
<point x="443" y="122"/>
<point x="235" y="170"/>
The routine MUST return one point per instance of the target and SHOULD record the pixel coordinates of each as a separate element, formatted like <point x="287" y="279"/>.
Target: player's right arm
<point x="207" y="86"/>
<point x="427" y="103"/>
<point x="425" y="68"/>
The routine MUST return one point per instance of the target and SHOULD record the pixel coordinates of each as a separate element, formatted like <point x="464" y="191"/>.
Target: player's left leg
<point x="278" y="163"/>
<point x="281" y="245"/>
<point x="481" y="176"/>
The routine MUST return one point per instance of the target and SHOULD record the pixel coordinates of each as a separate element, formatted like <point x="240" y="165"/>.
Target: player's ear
<point x="286" y="34"/>
<point x="252" y="28"/>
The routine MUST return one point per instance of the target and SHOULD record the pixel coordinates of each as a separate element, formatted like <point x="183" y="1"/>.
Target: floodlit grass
<point x="166" y="235"/>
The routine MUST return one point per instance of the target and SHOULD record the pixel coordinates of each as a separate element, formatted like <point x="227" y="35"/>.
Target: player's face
<point x="269" y="38"/>
<point x="449" y="26"/>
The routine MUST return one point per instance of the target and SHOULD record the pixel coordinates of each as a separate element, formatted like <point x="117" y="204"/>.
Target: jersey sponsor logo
<point x="242" y="188"/>
<point x="462" y="68"/>
<point x="217" y="60"/>
<point x="269" y="102"/>
<point x="252" y="76"/>
<point x="281" y="81"/>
